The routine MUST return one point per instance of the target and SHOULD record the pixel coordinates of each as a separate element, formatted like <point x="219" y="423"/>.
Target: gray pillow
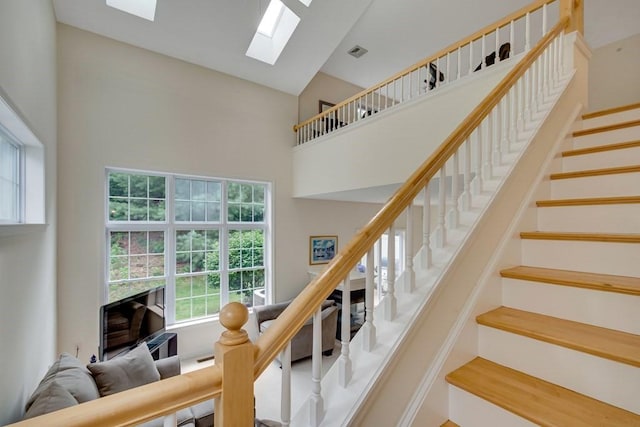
<point x="134" y="369"/>
<point x="51" y="398"/>
<point x="70" y="374"/>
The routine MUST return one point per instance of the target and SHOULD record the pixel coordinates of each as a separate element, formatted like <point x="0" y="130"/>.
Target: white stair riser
<point x="592" y="257"/>
<point x="621" y="218"/>
<point x="605" y="309"/>
<point x="609" y="119"/>
<point x="610" y="137"/>
<point x="622" y="184"/>
<point x="469" y="410"/>
<point x="612" y="382"/>
<point x="603" y="159"/>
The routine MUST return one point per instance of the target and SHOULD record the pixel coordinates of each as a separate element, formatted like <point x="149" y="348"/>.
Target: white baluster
<point x="562" y="58"/>
<point x="497" y="51"/>
<point x="369" y="329"/>
<point x="316" y="403"/>
<point x="465" y="197"/>
<point x="520" y="103"/>
<point x="512" y="38"/>
<point x="470" y="57"/>
<point x="170" y="420"/>
<point x="437" y="72"/>
<point x="483" y="50"/>
<point x="504" y="120"/>
<point x="544" y="19"/>
<point x="390" y="301"/>
<point x="426" y="228"/>
<point x="381" y="290"/>
<point x="453" y="220"/>
<point x="496" y="114"/>
<point x="527" y="32"/>
<point x="459" y="63"/>
<point x="527" y="96"/>
<point x="477" y="182"/>
<point x="410" y="275"/>
<point x="285" y="400"/>
<point x="446" y="75"/>
<point x="513" y="116"/>
<point x="487" y="167"/>
<point x="441" y="231"/>
<point x="344" y="362"/>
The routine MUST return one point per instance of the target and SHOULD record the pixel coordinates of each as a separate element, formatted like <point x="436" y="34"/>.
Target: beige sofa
<point x="302" y="343"/>
<point x="69" y="382"/>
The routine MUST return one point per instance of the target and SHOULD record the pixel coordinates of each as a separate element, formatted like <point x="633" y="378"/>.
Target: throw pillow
<point x="51" y="398"/>
<point x="134" y="369"/>
<point x="70" y="374"/>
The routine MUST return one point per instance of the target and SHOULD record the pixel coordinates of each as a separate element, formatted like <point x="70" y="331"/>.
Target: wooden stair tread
<point x="595" y="172"/>
<point x="588" y="201"/>
<point x="608" y="111"/>
<point x="610" y="344"/>
<point x="607" y="128"/>
<point x="538" y="401"/>
<point x="577" y="236"/>
<point x="601" y="148"/>
<point x="601" y="282"/>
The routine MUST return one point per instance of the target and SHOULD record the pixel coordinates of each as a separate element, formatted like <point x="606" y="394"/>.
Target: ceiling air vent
<point x="357" y="51"/>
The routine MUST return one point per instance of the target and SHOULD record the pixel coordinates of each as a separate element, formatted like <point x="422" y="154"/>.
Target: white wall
<point x="27" y="260"/>
<point x="387" y="149"/>
<point x="126" y="107"/>
<point x="613" y="74"/>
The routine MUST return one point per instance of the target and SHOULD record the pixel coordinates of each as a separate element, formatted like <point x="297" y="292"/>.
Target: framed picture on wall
<point x="322" y="249"/>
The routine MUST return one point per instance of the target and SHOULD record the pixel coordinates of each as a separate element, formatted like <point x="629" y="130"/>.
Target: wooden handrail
<point x="280" y="332"/>
<point x="451" y="48"/>
<point x="137" y="405"/>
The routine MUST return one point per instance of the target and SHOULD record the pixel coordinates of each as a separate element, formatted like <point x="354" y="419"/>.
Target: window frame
<point x="170" y="227"/>
<point x="32" y="171"/>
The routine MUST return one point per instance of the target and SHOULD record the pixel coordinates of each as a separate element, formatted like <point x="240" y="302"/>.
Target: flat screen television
<point x="130" y="321"/>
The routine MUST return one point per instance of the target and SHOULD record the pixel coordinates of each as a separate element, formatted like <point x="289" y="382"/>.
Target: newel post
<point x="234" y="354"/>
<point x="574" y="9"/>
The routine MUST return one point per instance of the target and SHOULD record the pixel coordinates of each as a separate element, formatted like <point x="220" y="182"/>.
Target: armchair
<point x="302" y="343"/>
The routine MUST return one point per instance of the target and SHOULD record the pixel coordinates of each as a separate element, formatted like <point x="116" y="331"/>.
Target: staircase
<point x="564" y="347"/>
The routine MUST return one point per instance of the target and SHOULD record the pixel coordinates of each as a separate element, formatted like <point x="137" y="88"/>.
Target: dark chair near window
<point x="503" y="53"/>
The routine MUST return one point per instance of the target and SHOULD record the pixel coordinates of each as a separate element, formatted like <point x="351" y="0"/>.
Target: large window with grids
<point x="205" y="239"/>
<point x="11" y="156"/>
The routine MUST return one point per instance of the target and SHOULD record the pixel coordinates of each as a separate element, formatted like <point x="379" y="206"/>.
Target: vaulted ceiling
<point x="397" y="33"/>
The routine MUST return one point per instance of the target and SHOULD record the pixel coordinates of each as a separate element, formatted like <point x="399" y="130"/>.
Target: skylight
<point x="306" y="2"/>
<point x="271" y="18"/>
<point x="276" y="28"/>
<point x="143" y="8"/>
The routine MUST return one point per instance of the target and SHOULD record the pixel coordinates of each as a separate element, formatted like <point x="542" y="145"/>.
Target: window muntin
<point x="10" y="179"/>
<point x="205" y="239"/>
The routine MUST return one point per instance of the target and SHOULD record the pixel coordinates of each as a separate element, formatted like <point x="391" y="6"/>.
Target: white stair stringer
<point x="341" y="404"/>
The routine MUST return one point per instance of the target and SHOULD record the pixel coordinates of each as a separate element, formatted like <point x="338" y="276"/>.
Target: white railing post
<point x="527" y="32"/>
<point x="504" y="119"/>
<point x="487" y="167"/>
<point x="458" y="73"/>
<point x="453" y="219"/>
<point x="316" y="403"/>
<point x="410" y="275"/>
<point x="380" y="285"/>
<point x="496" y="118"/>
<point x="390" y="301"/>
<point x="285" y="400"/>
<point x="344" y="362"/>
<point x="470" y="57"/>
<point x="426" y="228"/>
<point x="513" y="115"/>
<point x="369" y="329"/>
<point x="441" y="231"/>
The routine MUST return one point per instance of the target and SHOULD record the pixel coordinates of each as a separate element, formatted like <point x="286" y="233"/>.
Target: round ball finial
<point x="233" y="316"/>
